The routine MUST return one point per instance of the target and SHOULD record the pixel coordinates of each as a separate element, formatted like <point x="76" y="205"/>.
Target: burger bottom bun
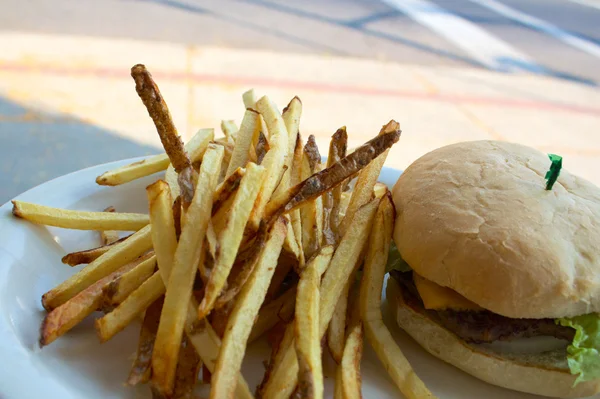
<point x="544" y="374"/>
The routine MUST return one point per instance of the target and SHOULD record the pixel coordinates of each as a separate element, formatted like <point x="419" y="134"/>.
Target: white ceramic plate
<point x="77" y="366"/>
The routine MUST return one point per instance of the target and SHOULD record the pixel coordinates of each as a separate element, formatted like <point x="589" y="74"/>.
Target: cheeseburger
<point x="501" y="273"/>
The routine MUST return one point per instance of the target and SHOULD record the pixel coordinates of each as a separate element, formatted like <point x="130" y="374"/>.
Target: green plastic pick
<point x="555" y="167"/>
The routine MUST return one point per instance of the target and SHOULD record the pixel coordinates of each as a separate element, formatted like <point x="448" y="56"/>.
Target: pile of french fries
<point x="247" y="235"/>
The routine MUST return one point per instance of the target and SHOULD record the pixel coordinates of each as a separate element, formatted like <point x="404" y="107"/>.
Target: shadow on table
<point x="36" y="147"/>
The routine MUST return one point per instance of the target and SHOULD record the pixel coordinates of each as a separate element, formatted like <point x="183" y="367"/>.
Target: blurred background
<point x="447" y="70"/>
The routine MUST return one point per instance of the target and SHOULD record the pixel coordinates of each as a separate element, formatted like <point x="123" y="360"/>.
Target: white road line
<point x="482" y="46"/>
<point x="589" y="3"/>
<point x="543" y="26"/>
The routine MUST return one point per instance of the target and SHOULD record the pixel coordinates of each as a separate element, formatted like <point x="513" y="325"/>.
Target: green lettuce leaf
<point x="583" y="354"/>
<point x="395" y="261"/>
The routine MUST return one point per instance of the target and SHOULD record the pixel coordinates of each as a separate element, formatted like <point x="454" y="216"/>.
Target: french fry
<point x="274" y="161"/>
<point x="311" y="213"/>
<point x="331" y="200"/>
<point x="114" y="322"/>
<point x="119" y="255"/>
<point x="336" y="333"/>
<point x="164" y="236"/>
<point x="295" y="179"/>
<point x="159" y="112"/>
<point x="291" y="117"/>
<point x="180" y="282"/>
<point x="109" y="236"/>
<point x="283" y="378"/>
<point x="124" y="174"/>
<point x="249" y="98"/>
<point x="88" y="255"/>
<point x="229" y="129"/>
<point x="367" y="178"/>
<point x="376" y="332"/>
<point x="188" y="367"/>
<point x="281" y="308"/>
<point x="226" y="189"/>
<point x="121" y="287"/>
<point x="133" y="171"/>
<point x="79" y="220"/>
<point x="231" y="236"/>
<point x="239" y="157"/>
<point x="328" y="178"/>
<point x="243" y="314"/>
<point x="66" y="316"/>
<point x="307" y="337"/>
<point x="140" y="369"/>
<point x="350" y="365"/>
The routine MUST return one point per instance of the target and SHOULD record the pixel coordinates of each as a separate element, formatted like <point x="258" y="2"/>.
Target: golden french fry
<point x="140" y="369"/>
<point x="243" y="315"/>
<point x="88" y="255"/>
<point x="229" y="129"/>
<point x="230" y="237"/>
<point x="239" y="157"/>
<point x="249" y="98"/>
<point x="283" y="378"/>
<point x="295" y="179"/>
<point x="124" y="174"/>
<point x="114" y="322"/>
<point x="164" y="237"/>
<point x="376" y="331"/>
<point x="345" y="259"/>
<point x="133" y="171"/>
<point x="185" y="262"/>
<point x="367" y="178"/>
<point x="336" y="333"/>
<point x="79" y="220"/>
<point x="66" y="316"/>
<point x="291" y="244"/>
<point x="291" y="117"/>
<point x="121" y="287"/>
<point x="328" y="178"/>
<point x="119" y="255"/>
<point x="274" y="161"/>
<point x="307" y="338"/>
<point x="107" y="237"/>
<point x="350" y="365"/>
<point x="281" y="308"/>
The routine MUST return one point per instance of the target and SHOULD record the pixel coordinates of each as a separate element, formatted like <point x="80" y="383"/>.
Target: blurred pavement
<point x="67" y="101"/>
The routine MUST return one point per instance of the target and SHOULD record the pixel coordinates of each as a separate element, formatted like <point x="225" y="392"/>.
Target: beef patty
<point x="481" y="326"/>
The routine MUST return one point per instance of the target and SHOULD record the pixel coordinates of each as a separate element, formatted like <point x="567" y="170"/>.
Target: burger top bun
<point x="476" y="217"/>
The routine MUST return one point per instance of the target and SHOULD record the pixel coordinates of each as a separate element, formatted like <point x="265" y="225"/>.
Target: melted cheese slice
<point x="440" y="298"/>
